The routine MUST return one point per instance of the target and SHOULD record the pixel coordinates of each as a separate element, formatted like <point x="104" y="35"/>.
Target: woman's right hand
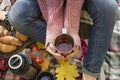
<point x="51" y="49"/>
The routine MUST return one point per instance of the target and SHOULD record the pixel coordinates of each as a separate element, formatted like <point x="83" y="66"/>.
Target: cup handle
<point x="64" y="30"/>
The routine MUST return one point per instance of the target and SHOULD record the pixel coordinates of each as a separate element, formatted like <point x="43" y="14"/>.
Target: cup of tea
<point x="64" y="44"/>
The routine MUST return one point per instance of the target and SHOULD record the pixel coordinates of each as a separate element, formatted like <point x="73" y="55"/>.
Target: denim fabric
<point x="103" y="13"/>
<point x="25" y="17"/>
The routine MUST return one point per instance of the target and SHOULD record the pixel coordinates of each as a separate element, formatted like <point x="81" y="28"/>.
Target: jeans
<point x="25" y="17"/>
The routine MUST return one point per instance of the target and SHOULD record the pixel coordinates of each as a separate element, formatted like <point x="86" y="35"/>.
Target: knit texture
<point x="52" y="11"/>
<point x="57" y="16"/>
<point x="72" y="18"/>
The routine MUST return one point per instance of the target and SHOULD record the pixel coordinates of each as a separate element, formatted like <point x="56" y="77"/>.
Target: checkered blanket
<point x="112" y="59"/>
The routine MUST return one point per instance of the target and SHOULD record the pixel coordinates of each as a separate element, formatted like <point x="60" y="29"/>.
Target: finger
<point x="76" y="48"/>
<point x="50" y="48"/>
<point x="59" y="57"/>
<point x="79" y="54"/>
<point x="74" y="52"/>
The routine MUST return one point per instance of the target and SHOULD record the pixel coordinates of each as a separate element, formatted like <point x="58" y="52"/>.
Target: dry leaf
<point x="66" y="71"/>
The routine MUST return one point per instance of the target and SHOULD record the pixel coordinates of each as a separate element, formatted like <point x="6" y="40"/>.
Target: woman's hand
<point x="51" y="49"/>
<point x="75" y="53"/>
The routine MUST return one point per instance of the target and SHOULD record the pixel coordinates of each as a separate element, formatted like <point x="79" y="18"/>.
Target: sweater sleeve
<point x="72" y="18"/>
<point x="52" y="11"/>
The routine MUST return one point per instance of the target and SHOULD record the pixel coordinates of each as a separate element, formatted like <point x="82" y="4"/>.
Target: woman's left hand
<point x="75" y="53"/>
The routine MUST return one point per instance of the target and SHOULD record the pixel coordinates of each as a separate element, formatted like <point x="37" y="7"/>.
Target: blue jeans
<point x="25" y="17"/>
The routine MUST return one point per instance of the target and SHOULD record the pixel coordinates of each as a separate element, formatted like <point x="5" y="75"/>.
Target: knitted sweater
<point x="57" y="16"/>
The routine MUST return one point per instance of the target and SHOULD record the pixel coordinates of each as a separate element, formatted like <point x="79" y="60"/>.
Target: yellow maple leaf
<point x="40" y="45"/>
<point x="66" y="71"/>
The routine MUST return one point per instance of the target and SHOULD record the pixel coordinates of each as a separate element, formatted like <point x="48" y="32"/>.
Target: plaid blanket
<point x="5" y="5"/>
<point x="112" y="59"/>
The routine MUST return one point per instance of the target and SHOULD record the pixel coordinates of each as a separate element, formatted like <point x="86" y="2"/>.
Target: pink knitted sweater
<point x="57" y="16"/>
